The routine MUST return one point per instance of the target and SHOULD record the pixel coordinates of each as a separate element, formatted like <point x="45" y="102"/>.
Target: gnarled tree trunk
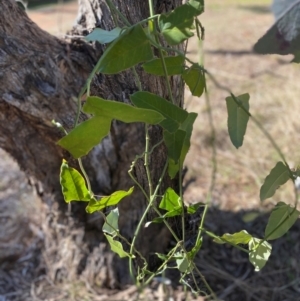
<point x="41" y="77"/>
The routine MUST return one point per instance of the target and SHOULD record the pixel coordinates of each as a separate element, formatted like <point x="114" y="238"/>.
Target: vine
<point x="128" y="47"/>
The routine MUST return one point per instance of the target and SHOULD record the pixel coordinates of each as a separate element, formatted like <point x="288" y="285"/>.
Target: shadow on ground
<point x="37" y="3"/>
<point x="259" y="9"/>
<point x="43" y="264"/>
<point x="229" y="272"/>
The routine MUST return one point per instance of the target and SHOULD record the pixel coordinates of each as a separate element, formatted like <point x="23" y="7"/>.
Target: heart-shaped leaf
<point x="73" y="184"/>
<point x="117" y="247"/>
<point x="259" y="253"/>
<point x="195" y="79"/>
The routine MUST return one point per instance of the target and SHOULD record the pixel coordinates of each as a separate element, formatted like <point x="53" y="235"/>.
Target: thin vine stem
<point x="146" y="160"/>
<point x="151" y="24"/>
<point x="153" y="31"/>
<point x="213" y="159"/>
<point x="141" y="222"/>
<point x="85" y="176"/>
<point x="182" y="202"/>
<point x="166" y="75"/>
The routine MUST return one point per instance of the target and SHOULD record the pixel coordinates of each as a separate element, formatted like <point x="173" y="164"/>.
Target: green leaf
<point x="117" y="247"/>
<point x="242" y="237"/>
<point x="174" y="116"/>
<point x="198" y="5"/>
<point x="121" y="111"/>
<point x="111" y="225"/>
<point x="186" y="126"/>
<point x="131" y="48"/>
<point x="278" y="176"/>
<point x="170" y="200"/>
<point x="259" y="254"/>
<point x="182" y="263"/>
<point x="237" y="118"/>
<point x="195" y="79"/>
<point x="176" y="26"/>
<point x="90" y="133"/>
<point x="73" y="184"/>
<point x="174" y="143"/>
<point x="191" y="209"/>
<point x="85" y="136"/>
<point x="282" y="218"/>
<point x="111" y="200"/>
<point x="174" y="64"/>
<point x="103" y="36"/>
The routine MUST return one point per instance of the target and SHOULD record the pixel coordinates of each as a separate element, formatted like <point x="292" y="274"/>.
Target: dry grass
<point x="231" y="31"/>
<point x="47" y="263"/>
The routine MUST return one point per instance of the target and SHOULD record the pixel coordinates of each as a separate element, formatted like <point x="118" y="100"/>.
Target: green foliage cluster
<point x="126" y="48"/>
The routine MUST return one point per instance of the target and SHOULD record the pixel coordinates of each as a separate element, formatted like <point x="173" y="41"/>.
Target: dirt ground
<point x="231" y="29"/>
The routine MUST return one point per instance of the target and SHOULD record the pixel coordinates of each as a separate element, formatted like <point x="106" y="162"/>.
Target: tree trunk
<point x="41" y="77"/>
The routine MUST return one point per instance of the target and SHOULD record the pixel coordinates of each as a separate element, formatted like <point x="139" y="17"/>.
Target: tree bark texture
<point x="40" y="78"/>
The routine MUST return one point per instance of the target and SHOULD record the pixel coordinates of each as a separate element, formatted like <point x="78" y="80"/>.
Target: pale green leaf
<point x="121" y="111"/>
<point x="242" y="237"/>
<point x="73" y="184"/>
<point x="85" y="136"/>
<point x="177" y="25"/>
<point x="103" y="36"/>
<point x="195" y="79"/>
<point x="278" y="176"/>
<point x="259" y="254"/>
<point x="182" y="264"/>
<point x="131" y="48"/>
<point x="174" y="116"/>
<point x="198" y="5"/>
<point x="282" y="218"/>
<point x="237" y="118"/>
<point x="111" y="225"/>
<point x="170" y="200"/>
<point x="113" y="199"/>
<point x="117" y="247"/>
<point x="174" y="65"/>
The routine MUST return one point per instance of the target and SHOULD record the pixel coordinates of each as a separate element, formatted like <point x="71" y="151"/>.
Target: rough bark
<point x="40" y="79"/>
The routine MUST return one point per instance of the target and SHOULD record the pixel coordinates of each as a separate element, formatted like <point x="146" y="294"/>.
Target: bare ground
<point x="232" y="27"/>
